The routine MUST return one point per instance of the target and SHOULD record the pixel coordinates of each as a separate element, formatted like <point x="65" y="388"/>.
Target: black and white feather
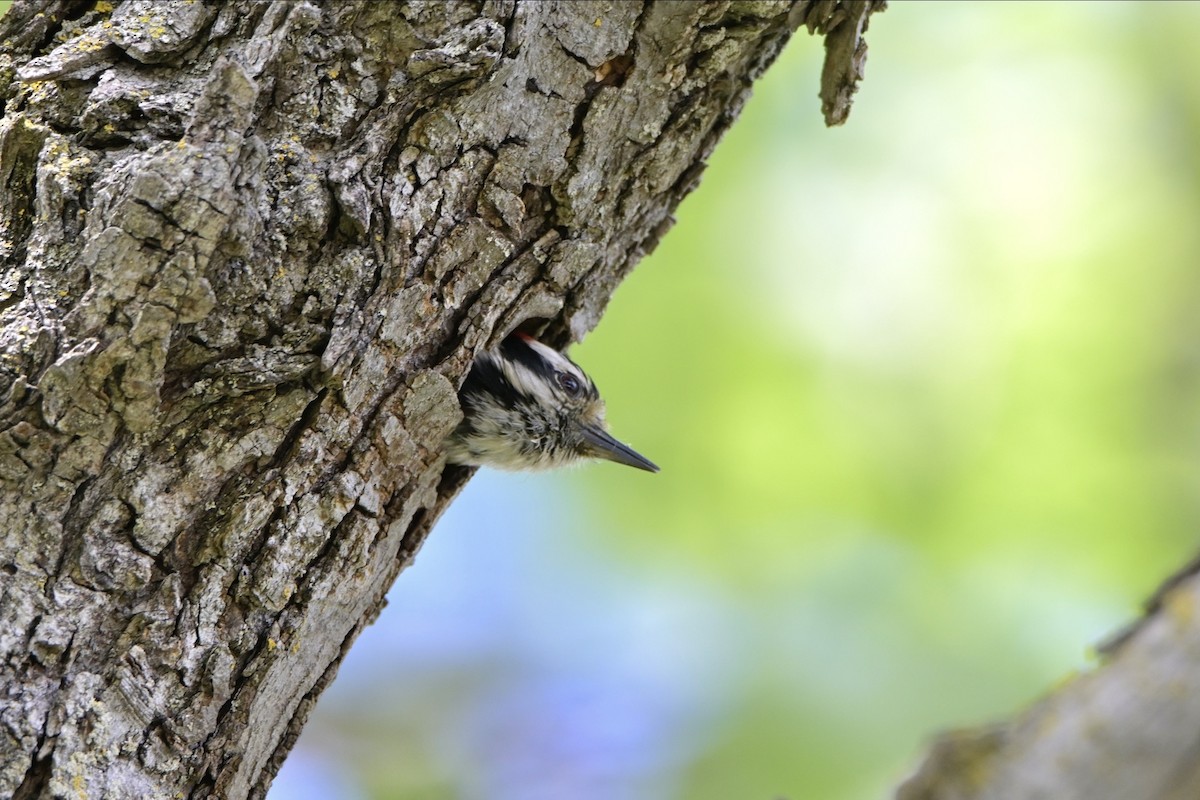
<point x="526" y="407"/>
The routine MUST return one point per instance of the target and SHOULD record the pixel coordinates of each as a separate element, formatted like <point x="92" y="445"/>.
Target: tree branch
<point x="1128" y="729"/>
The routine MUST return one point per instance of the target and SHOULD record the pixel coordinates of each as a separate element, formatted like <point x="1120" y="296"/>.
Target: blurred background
<point x="925" y="390"/>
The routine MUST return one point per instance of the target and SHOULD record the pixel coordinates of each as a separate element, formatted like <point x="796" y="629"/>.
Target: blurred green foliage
<point x="923" y="388"/>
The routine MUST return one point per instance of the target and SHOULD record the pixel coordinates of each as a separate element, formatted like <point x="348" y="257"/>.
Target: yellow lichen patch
<point x="598" y="22"/>
<point x="1181" y="606"/>
<point x="103" y="6"/>
<point x="1065" y="680"/>
<point x="61" y="162"/>
<point x="91" y="44"/>
<point x="58" y="158"/>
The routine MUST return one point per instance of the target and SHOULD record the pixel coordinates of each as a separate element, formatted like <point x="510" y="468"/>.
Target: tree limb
<point x="1128" y="729"/>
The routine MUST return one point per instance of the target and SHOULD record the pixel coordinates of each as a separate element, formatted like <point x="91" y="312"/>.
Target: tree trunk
<point x="249" y="250"/>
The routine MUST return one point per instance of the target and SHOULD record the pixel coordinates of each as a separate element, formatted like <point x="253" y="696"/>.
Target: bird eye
<point x="568" y="382"/>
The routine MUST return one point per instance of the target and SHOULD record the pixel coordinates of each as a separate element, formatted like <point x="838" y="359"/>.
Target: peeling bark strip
<point x="843" y="24"/>
<point x="247" y="251"/>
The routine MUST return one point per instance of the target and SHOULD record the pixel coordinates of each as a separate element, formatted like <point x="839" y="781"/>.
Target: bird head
<point x="527" y="406"/>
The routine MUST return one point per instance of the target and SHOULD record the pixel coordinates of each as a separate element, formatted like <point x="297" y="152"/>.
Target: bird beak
<point x="600" y="444"/>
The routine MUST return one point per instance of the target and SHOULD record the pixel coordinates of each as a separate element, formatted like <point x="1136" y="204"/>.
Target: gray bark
<point x="247" y="253"/>
<point x="1128" y="730"/>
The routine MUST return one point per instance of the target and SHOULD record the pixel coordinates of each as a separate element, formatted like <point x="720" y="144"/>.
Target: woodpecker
<point x="528" y="407"/>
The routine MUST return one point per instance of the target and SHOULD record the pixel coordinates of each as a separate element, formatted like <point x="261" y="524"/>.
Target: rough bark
<point x="1128" y="729"/>
<point x="248" y="252"/>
